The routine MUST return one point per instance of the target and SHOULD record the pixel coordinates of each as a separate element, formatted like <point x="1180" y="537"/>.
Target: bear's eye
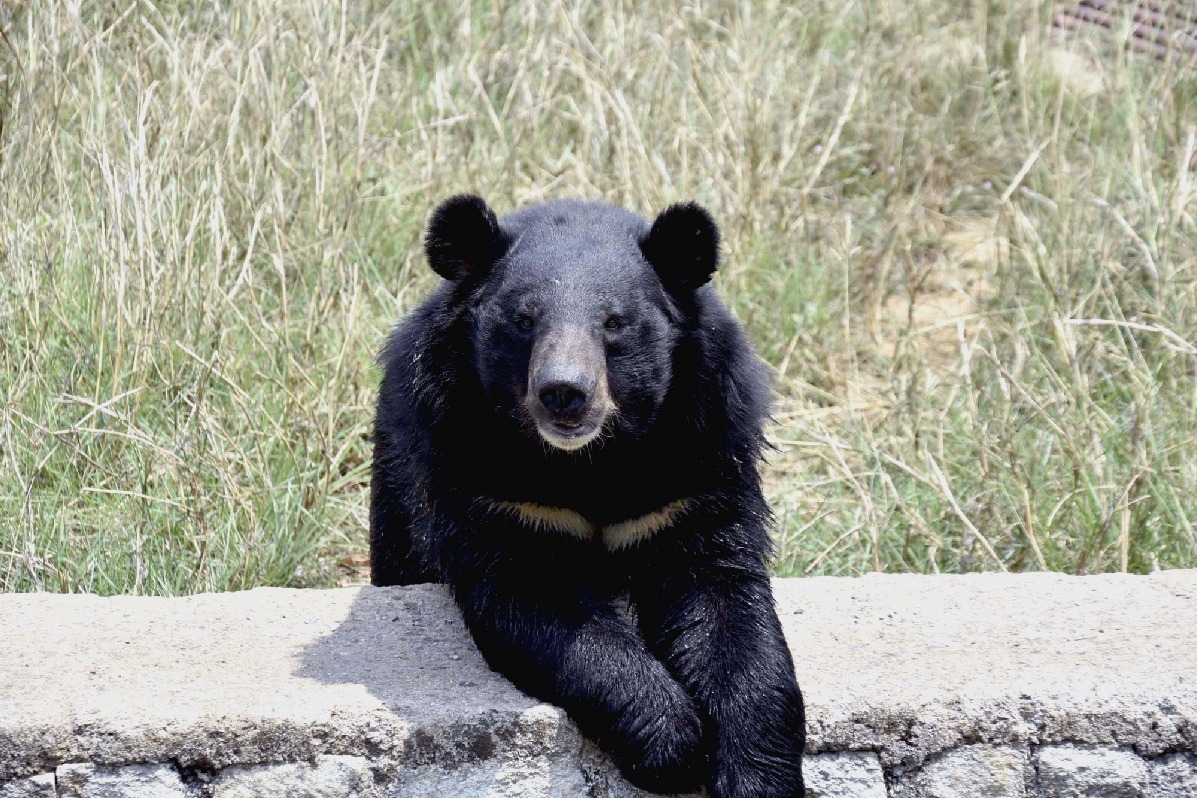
<point x="613" y="323"/>
<point x="525" y="322"/>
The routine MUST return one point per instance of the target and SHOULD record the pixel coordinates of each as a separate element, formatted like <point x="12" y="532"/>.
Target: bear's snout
<point x="564" y="395"/>
<point x="567" y="388"/>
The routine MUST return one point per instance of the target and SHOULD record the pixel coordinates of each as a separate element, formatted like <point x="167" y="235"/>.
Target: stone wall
<point x="917" y="687"/>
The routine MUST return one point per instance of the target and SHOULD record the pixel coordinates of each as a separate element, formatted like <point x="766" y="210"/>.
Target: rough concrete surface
<point x="915" y="686"/>
<point x="326" y="777"/>
<point x="1075" y="770"/>
<point x="845" y="773"/>
<point x="39" y="786"/>
<point x="1175" y="774"/>
<point x="982" y="771"/>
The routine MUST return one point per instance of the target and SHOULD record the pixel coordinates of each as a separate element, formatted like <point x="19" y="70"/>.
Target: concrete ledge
<point x="917" y="687"/>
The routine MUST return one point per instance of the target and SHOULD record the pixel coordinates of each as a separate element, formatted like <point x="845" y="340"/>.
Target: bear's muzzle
<point x="567" y="396"/>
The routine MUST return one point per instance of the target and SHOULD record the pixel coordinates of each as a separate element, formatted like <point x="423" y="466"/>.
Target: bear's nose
<point x="562" y="398"/>
<point x="563" y="395"/>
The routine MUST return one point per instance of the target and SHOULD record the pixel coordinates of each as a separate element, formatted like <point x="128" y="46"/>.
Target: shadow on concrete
<point x="448" y="725"/>
<point x="409" y="648"/>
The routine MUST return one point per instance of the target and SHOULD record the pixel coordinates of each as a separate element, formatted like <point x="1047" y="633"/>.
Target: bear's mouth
<point x="567" y="435"/>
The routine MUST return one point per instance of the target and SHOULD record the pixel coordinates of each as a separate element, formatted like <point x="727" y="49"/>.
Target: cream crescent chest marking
<point x="621" y="535"/>
<point x="634" y="530"/>
<point x="549" y="519"/>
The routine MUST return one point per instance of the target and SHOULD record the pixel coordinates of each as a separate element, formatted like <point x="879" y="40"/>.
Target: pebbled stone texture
<point x="850" y="774"/>
<point x="130" y="781"/>
<point x="923" y="676"/>
<point x="1075" y="771"/>
<point x="975" y="771"/>
<point x="39" y="786"/>
<point x="328" y="777"/>
<point x="1172" y="776"/>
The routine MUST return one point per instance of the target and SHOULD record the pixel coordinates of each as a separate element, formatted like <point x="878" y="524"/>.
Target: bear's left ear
<point x="683" y="246"/>
<point x="463" y="238"/>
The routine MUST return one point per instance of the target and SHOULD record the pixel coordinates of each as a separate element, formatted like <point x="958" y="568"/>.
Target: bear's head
<point x="575" y="309"/>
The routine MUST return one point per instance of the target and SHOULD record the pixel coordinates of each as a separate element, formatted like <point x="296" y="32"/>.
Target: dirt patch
<point x="942" y="310"/>
<point x="1080" y="73"/>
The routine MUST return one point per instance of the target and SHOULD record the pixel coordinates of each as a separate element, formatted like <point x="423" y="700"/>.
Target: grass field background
<point x="968" y="250"/>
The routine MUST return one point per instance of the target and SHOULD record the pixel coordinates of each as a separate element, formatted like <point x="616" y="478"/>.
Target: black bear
<point x="568" y="434"/>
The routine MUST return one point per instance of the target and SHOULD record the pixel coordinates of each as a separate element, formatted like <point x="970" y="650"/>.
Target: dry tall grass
<point x="969" y="253"/>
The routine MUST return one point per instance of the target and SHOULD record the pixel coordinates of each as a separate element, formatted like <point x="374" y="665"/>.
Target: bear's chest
<point x="602" y="492"/>
<point x="613" y="535"/>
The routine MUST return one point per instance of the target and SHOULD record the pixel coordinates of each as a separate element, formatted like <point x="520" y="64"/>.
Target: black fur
<point x="699" y="690"/>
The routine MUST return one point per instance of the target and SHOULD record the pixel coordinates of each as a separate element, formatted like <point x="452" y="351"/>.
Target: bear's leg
<point x="712" y="622"/>
<point x="393" y="559"/>
<point x="568" y="646"/>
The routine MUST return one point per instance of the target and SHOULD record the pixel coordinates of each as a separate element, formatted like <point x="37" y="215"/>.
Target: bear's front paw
<point x="776" y="780"/>
<point x="663" y="749"/>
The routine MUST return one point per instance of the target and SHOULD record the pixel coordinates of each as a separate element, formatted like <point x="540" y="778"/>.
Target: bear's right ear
<point x="463" y="238"/>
